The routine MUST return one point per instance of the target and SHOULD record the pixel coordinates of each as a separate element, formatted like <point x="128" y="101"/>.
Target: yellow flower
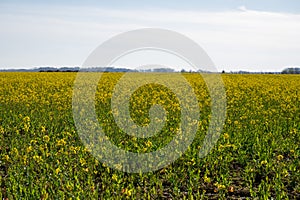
<point x="26" y="127"/>
<point x="43" y="129"/>
<point x="285" y="173"/>
<point x="57" y="170"/>
<point x="280" y="157"/>
<point x="15" y="151"/>
<point x="29" y="149"/>
<point x="6" y="157"/>
<point x="46" y="138"/>
<point x="264" y="162"/>
<point x="26" y="119"/>
<point x="226" y="136"/>
<point x="82" y="161"/>
<point x="114" y="177"/>
<point x="1" y="130"/>
<point x="220" y="186"/>
<point x="206" y="179"/>
<point x="25" y="160"/>
<point x="61" y="142"/>
<point x="38" y="158"/>
<point x="127" y="192"/>
<point x="148" y="143"/>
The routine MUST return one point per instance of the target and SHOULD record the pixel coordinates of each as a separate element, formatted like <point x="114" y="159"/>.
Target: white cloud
<point x="239" y="39"/>
<point x="242" y="8"/>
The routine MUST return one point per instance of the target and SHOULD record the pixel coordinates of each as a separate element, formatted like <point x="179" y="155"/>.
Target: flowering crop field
<point x="256" y="156"/>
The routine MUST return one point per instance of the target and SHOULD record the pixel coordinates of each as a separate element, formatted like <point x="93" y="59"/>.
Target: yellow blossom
<point x="114" y="177"/>
<point x="264" y="162"/>
<point x="37" y="158"/>
<point x="82" y="161"/>
<point x="1" y="130"/>
<point x="148" y="143"/>
<point x="226" y="136"/>
<point x="61" y="142"/>
<point x="43" y="129"/>
<point x="280" y="157"/>
<point x="46" y="138"/>
<point x="57" y="170"/>
<point x="29" y="149"/>
<point x="206" y="179"/>
<point x="6" y="157"/>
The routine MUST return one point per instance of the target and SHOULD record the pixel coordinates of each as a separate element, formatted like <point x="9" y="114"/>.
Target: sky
<point x="250" y="35"/>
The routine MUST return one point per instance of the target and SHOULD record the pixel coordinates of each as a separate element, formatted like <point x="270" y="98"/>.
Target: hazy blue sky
<point x="254" y="35"/>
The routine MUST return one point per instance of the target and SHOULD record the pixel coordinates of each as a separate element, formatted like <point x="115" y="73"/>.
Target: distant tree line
<point x="101" y="69"/>
<point x="291" y="71"/>
<point x="62" y="69"/>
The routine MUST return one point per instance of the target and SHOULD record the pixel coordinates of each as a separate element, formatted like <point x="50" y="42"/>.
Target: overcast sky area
<point x="251" y="35"/>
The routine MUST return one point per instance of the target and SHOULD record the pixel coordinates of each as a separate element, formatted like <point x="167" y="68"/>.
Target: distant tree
<point x="291" y="71"/>
<point x="223" y="71"/>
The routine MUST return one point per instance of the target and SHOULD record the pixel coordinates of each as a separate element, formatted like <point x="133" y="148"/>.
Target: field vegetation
<point x="256" y="156"/>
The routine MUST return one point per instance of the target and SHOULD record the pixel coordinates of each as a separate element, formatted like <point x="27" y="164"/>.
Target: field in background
<point x="257" y="155"/>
